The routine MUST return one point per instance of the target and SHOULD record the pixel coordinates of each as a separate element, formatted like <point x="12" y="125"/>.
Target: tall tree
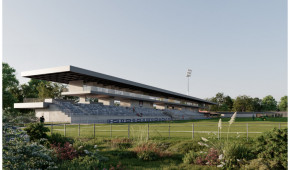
<point x="283" y="104"/>
<point x="243" y="104"/>
<point x="257" y="104"/>
<point x="50" y="90"/>
<point x="224" y="103"/>
<point x="9" y="83"/>
<point x="269" y="103"/>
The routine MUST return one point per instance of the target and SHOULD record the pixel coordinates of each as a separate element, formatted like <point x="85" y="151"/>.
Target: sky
<point x="235" y="47"/>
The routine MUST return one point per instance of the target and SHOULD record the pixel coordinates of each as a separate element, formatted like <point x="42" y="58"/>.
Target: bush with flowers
<point x="150" y="151"/>
<point x="19" y="153"/>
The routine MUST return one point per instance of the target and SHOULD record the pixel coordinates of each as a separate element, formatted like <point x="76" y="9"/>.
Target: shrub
<point x="119" y="166"/>
<point x="212" y="157"/>
<point x="91" y="160"/>
<point x="36" y="131"/>
<point x="257" y="164"/>
<point x="190" y="157"/>
<point x="56" y="138"/>
<point x="149" y="152"/>
<point x="65" y="152"/>
<point x="18" y="153"/>
<point x="202" y="158"/>
<point x="121" y="143"/>
<point x="186" y="146"/>
<point x="272" y="147"/>
<point x="235" y="151"/>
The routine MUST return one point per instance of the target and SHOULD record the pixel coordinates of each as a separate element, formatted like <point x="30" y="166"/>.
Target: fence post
<point x="111" y="130"/>
<point x="218" y="133"/>
<point x="169" y="130"/>
<point x="148" y="132"/>
<point x="247" y="131"/>
<point x="128" y="130"/>
<point x="51" y="127"/>
<point x="192" y="131"/>
<point x="94" y="130"/>
<point x="79" y="129"/>
<point x="64" y="129"/>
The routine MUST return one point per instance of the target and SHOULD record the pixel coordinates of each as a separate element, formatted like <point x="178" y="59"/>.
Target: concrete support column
<point x="83" y="100"/>
<point x="148" y="104"/>
<point x="76" y="85"/>
<point x="160" y="107"/>
<point x="106" y="101"/>
<point x="125" y="103"/>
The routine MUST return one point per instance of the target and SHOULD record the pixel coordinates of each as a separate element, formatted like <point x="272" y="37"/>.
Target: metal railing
<point x="163" y="130"/>
<point x="129" y="94"/>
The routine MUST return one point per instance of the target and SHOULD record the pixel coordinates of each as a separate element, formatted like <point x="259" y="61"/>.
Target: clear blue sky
<point x="236" y="47"/>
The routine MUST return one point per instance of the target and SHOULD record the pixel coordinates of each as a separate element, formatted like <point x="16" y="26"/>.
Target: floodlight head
<point x="188" y="73"/>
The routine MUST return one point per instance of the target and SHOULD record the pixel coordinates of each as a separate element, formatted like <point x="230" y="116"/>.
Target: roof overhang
<point x="65" y="74"/>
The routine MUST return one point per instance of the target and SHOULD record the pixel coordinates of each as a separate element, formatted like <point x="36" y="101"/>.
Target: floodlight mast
<point x="188" y="75"/>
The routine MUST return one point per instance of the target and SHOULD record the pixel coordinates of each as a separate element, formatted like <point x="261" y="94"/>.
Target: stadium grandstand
<point x="118" y="100"/>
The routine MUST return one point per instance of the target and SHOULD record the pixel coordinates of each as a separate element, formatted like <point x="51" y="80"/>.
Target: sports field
<point x="241" y="128"/>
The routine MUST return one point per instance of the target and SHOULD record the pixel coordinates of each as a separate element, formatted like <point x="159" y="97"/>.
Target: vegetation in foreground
<point x="38" y="151"/>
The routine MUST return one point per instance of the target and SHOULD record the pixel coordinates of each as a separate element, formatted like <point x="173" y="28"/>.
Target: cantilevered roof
<point x="65" y="74"/>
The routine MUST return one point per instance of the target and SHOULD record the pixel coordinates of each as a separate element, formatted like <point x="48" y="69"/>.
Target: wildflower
<point x="95" y="146"/>
<point x="220" y="166"/>
<point x="220" y="124"/>
<point x="80" y="147"/>
<point x="233" y="118"/>
<point x="204" y="139"/>
<point x="70" y="145"/>
<point x="206" y="145"/>
<point x="201" y="144"/>
<point x="86" y="151"/>
<point x="221" y="157"/>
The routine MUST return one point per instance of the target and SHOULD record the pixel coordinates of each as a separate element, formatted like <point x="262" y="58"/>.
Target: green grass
<point x="178" y="129"/>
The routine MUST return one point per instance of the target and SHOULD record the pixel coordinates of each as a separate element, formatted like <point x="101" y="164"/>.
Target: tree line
<point x="246" y="103"/>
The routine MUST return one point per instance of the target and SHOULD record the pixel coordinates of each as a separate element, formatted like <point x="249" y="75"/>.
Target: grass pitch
<point x="183" y="129"/>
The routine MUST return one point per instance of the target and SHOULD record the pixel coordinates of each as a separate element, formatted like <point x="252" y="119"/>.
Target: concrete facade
<point x="53" y="114"/>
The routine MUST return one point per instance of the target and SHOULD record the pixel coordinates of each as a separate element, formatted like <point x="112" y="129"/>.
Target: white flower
<point x="201" y="144"/>
<point x="207" y="163"/>
<point x="70" y="145"/>
<point x="95" y="146"/>
<point x="86" y="151"/>
<point x="204" y="139"/>
<point x="233" y="118"/>
<point x="220" y="124"/>
<point x="221" y="157"/>
<point x="206" y="145"/>
<point x="80" y="147"/>
<point x="220" y="166"/>
<point x="238" y="160"/>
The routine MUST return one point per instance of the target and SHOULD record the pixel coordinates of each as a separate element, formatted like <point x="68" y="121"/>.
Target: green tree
<point x="257" y="103"/>
<point x="9" y="83"/>
<point x="283" y="104"/>
<point x="224" y="103"/>
<point x="243" y="104"/>
<point x="45" y="90"/>
<point x="269" y="103"/>
<point x="50" y="90"/>
<point x="29" y="90"/>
